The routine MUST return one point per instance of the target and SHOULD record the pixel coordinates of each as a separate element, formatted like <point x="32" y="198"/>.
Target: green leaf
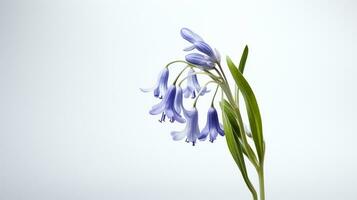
<point x="241" y="67"/>
<point x="243" y="59"/>
<point x="251" y="106"/>
<point x="234" y="122"/>
<point x="234" y="145"/>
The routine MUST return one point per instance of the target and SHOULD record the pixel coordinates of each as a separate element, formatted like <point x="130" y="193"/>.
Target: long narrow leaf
<point x="241" y="68"/>
<point x="235" y="147"/>
<point x="243" y="59"/>
<point x="251" y="106"/>
<point x="237" y="133"/>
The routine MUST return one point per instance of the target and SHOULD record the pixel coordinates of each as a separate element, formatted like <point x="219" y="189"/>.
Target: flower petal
<point x="178" y="100"/>
<point x="189" y="35"/>
<point x="189" y="48"/>
<point x="178" y="135"/>
<point x="206" y="49"/>
<point x="200" y="60"/>
<point x="204" y="133"/>
<point x="146" y="89"/>
<point x="157" y="109"/>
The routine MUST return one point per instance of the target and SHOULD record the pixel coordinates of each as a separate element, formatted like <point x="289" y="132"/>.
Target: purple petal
<point x="147" y="89"/>
<point x="200" y="60"/>
<point x="157" y="109"/>
<point x="206" y="49"/>
<point x="189" y="48"/>
<point x="178" y="100"/>
<point x="178" y="135"/>
<point x="204" y="133"/>
<point x="189" y="35"/>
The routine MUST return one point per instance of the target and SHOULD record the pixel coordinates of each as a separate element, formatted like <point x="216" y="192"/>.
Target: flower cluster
<point x="171" y="105"/>
<point x="202" y="59"/>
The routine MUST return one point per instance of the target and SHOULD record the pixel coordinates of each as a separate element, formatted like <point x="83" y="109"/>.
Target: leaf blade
<point x="235" y="147"/>
<point x="251" y="107"/>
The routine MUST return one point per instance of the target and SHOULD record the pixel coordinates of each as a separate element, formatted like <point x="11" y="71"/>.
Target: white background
<point x="74" y="125"/>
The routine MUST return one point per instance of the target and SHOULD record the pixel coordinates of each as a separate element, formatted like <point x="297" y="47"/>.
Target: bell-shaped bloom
<point x="168" y="107"/>
<point x="190" y="36"/>
<point x="197" y="43"/>
<point x="161" y="85"/>
<point x="206" y="49"/>
<point x="193" y="87"/>
<point x="191" y="130"/>
<point x="213" y="127"/>
<point x="178" y="100"/>
<point x="200" y="60"/>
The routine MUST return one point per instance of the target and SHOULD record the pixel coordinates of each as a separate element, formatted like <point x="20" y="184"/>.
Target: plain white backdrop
<point x="74" y="125"/>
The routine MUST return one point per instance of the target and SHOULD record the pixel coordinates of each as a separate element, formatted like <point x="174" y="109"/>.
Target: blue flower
<point x="161" y="85"/>
<point x="178" y="99"/>
<point x="191" y="130"/>
<point x="211" y="56"/>
<point x="169" y="106"/>
<point x="213" y="127"/>
<point x="193" y="86"/>
<point x="200" y="60"/>
<point x="189" y="35"/>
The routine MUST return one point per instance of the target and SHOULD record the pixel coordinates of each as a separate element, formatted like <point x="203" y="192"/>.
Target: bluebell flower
<point x="191" y="130"/>
<point x="211" y="56"/>
<point x="161" y="85"/>
<point x="178" y="99"/>
<point x="189" y="35"/>
<point x="200" y="60"/>
<point x="168" y="107"/>
<point x="213" y="127"/>
<point x="193" y="87"/>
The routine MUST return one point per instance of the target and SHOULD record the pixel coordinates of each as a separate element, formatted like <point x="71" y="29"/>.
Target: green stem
<point x="199" y="93"/>
<point x="178" y="76"/>
<point x="224" y="76"/>
<point x="214" y="96"/>
<point x="261" y="182"/>
<point x="195" y="73"/>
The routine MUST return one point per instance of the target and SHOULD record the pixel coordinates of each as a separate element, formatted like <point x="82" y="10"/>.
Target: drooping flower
<point x="191" y="130"/>
<point x="210" y="56"/>
<point x="161" y="85"/>
<point x="213" y="127"/>
<point x="178" y="99"/>
<point x="189" y="35"/>
<point x="193" y="87"/>
<point x="168" y="107"/>
<point x="200" y="60"/>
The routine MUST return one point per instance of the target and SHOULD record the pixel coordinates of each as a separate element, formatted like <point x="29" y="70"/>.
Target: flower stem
<point x="195" y="73"/>
<point x="214" y="96"/>
<point x="224" y="76"/>
<point x="261" y="182"/>
<point x="199" y="93"/>
<point x="178" y="76"/>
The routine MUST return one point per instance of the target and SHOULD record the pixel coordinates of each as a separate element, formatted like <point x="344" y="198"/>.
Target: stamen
<point x="162" y="118"/>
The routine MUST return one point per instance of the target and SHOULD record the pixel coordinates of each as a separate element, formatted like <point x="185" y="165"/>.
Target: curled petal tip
<point x="146" y="89"/>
